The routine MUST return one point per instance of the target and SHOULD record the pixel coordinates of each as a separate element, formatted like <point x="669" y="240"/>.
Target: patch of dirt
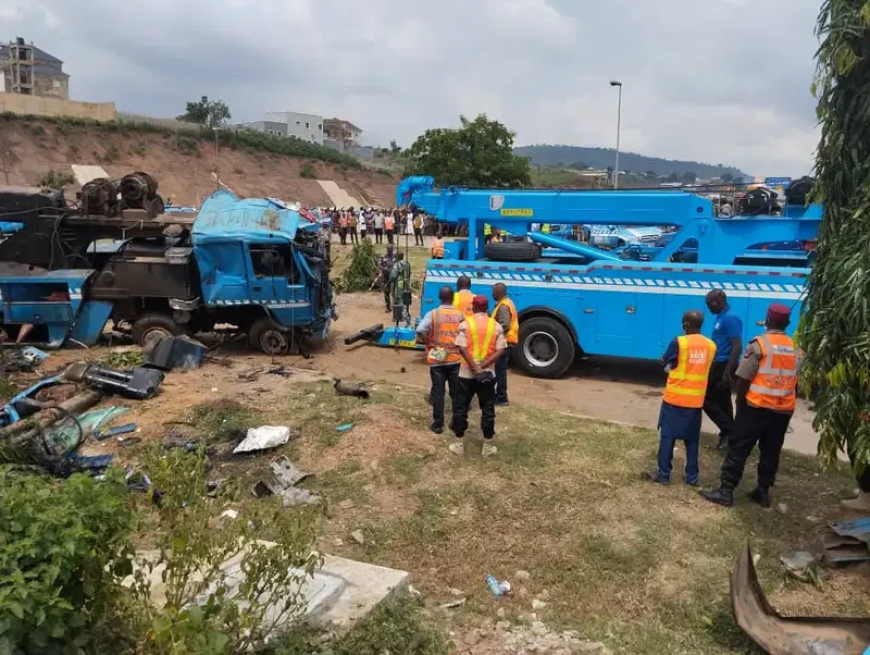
<point x="185" y="178"/>
<point x="383" y="434"/>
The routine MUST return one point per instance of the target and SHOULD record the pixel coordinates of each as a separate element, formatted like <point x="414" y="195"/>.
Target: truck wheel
<point x="269" y="337"/>
<point x="512" y="251"/>
<point x="545" y="347"/>
<point x="151" y="326"/>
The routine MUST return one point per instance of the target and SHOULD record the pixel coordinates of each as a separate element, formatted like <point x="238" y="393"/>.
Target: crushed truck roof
<point x="225" y="216"/>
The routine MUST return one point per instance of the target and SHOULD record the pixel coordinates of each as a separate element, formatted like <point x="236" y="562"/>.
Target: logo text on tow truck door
<point x="528" y="213"/>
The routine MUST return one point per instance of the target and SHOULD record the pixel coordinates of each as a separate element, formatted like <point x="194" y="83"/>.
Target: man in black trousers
<point x="727" y="335"/>
<point x="766" y="396"/>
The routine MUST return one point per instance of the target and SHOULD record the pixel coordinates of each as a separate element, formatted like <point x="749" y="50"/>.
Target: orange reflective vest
<point x="438" y="248"/>
<point x="389" y="222"/>
<point x="773" y="386"/>
<point x="512" y="336"/>
<point x="687" y="382"/>
<point x="462" y="301"/>
<point x="445" y="327"/>
<point x="481" y="336"/>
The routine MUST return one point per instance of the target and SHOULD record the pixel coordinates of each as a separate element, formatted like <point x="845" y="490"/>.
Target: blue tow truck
<point x="574" y="298"/>
<point x="251" y="266"/>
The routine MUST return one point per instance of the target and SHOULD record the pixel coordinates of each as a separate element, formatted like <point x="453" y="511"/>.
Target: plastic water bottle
<point x="494" y="586"/>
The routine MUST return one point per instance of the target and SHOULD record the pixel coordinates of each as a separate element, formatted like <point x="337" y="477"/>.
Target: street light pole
<point x="617" y="83"/>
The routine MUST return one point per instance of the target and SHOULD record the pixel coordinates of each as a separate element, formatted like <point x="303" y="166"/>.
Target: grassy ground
<point x="641" y="567"/>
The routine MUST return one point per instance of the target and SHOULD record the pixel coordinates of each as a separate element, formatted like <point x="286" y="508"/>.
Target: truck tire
<point x="546" y="348"/>
<point x="153" y="325"/>
<point x="512" y="251"/>
<point x="269" y="337"/>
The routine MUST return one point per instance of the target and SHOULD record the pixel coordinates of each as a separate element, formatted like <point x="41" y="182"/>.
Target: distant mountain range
<point x="600" y="158"/>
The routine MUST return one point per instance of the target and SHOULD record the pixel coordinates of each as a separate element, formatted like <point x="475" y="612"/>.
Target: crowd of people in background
<point x="384" y="225"/>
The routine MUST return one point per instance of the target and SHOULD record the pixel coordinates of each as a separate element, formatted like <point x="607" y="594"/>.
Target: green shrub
<point x="188" y="145"/>
<point x="37" y="130"/>
<point x="307" y="171"/>
<point x="64" y="547"/>
<point x="362" y="269"/>
<point x="55" y="180"/>
<point x="200" y="616"/>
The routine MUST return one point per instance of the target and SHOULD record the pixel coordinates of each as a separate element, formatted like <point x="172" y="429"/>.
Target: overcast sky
<point x="712" y="80"/>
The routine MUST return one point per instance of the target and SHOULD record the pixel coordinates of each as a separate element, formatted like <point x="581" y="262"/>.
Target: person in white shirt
<point x="409" y="223"/>
<point x="379" y="227"/>
<point x="363" y="224"/>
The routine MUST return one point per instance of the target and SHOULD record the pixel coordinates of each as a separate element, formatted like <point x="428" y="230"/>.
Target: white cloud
<point x="711" y="80"/>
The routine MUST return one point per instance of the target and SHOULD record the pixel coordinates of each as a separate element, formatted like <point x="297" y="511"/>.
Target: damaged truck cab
<point x="249" y="266"/>
<point x="264" y="268"/>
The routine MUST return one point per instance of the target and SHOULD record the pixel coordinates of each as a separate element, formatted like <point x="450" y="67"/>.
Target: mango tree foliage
<point x="835" y="327"/>
<point x="477" y="154"/>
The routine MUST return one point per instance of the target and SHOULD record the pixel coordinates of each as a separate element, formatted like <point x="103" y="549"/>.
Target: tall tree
<point x="834" y="326"/>
<point x="208" y="113"/>
<point x="478" y="153"/>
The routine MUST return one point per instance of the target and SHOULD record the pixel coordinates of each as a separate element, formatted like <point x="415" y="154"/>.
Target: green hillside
<point x="562" y="156"/>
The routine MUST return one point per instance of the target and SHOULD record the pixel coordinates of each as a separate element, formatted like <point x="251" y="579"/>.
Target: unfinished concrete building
<point x="28" y="70"/>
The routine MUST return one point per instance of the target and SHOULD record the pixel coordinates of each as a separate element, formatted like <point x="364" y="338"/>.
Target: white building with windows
<point x="308" y="127"/>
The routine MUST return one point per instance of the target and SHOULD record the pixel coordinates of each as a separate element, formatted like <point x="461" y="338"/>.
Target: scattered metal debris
<point x="174" y="352"/>
<point x="285" y="475"/>
<point x="344" y="427"/>
<point x="281" y="371"/>
<point x="847" y="542"/>
<point x="127" y="428"/>
<point x="779" y="635"/>
<point x="286" y="472"/>
<point x="453" y="604"/>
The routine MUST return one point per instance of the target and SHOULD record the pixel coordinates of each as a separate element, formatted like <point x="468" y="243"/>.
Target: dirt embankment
<point x="29" y="150"/>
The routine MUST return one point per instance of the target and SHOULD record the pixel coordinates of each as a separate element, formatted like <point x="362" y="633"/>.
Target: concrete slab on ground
<point x="338" y="196"/>
<point x="84" y="173"/>
<point x="338" y="595"/>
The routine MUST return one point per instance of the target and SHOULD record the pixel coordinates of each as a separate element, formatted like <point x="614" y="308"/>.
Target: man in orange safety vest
<point x="766" y="396"/>
<point x="437" y="330"/>
<point x="688" y="360"/>
<point x="505" y="313"/>
<point x="462" y="299"/>
<point x="481" y="342"/>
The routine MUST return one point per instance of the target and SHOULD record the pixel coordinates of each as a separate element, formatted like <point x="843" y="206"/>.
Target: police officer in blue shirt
<point x="727" y="333"/>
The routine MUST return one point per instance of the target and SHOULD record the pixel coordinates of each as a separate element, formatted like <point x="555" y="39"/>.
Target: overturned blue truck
<point x="251" y="266"/>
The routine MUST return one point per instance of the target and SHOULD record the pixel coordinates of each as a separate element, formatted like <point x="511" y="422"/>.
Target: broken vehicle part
<point x="357" y="390"/>
<point x="846" y="542"/>
<point x="286" y="472"/>
<point x="780" y="635"/>
<point x="139" y="384"/>
<point x="166" y="352"/>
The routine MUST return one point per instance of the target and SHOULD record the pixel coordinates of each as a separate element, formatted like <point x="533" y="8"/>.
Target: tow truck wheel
<point x="271" y="338"/>
<point x="545" y="347"/>
<point x="152" y="326"/>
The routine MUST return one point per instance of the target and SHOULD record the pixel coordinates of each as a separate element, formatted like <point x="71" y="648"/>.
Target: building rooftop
<point x="345" y="123"/>
<point x="38" y="54"/>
